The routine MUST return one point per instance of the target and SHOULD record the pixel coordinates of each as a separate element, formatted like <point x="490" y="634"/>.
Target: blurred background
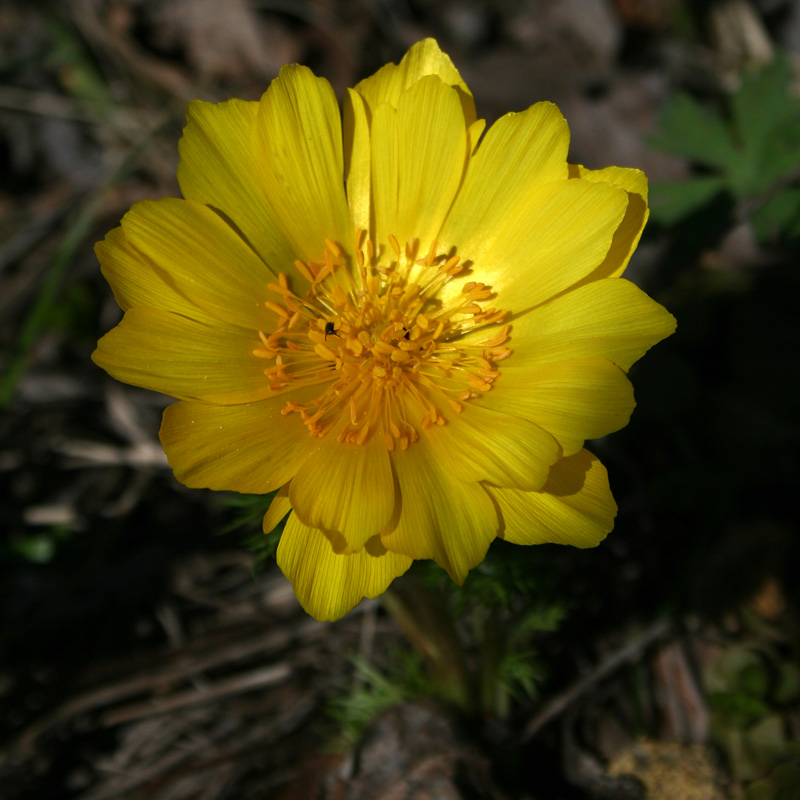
<point x="149" y="647"/>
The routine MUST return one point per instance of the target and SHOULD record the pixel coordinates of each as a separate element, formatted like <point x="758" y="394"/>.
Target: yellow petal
<point x="345" y="488"/>
<point x="222" y="161"/>
<point x="329" y="584"/>
<point x="357" y="159"/>
<point x="629" y="232"/>
<point x="385" y="154"/>
<point x="611" y="319"/>
<point x="475" y="132"/>
<point x="249" y="448"/>
<point x="438" y="516"/>
<point x="631" y="180"/>
<point x="189" y="360"/>
<point x="278" y="509"/>
<point x="574" y="507"/>
<point x="519" y="153"/>
<point x="137" y="281"/>
<point x="555" y="238"/>
<point x="431" y="157"/>
<point x="480" y="444"/>
<point x="202" y="257"/>
<point x="575" y="400"/>
<point x="423" y="58"/>
<point x="299" y="132"/>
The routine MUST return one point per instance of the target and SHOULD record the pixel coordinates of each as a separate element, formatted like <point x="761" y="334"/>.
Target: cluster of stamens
<point x="382" y="347"/>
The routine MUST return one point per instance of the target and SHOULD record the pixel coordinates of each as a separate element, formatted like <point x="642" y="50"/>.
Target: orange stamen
<point x="384" y="354"/>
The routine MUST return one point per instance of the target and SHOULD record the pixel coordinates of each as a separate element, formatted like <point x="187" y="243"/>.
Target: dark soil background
<point x="143" y="655"/>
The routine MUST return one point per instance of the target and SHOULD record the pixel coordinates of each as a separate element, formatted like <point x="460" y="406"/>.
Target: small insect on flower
<point x="483" y="330"/>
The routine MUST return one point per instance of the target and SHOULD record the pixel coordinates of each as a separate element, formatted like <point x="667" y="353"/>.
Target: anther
<point x="279" y="310"/>
<point x="304" y="271"/>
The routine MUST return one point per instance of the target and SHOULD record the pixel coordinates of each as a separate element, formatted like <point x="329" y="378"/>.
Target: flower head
<point x="412" y="357"/>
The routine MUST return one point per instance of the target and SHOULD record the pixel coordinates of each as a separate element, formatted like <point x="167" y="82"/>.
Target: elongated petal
<point x="278" y="509"/>
<point x="299" y="132"/>
<point x="475" y="132"/>
<point x="329" y="584"/>
<point x="574" y="507"/>
<point x="137" y="281"/>
<point x="482" y="445"/>
<point x="202" y="257"/>
<point x="432" y="157"/>
<point x="430" y="160"/>
<point x="575" y="400"/>
<point x="439" y="516"/>
<point x="611" y="319"/>
<point x="345" y="488"/>
<point x="519" y="153"/>
<point x="568" y="234"/>
<point x="385" y="153"/>
<point x="358" y="171"/>
<point x="168" y="353"/>
<point x="423" y="58"/>
<point x="222" y="161"/>
<point x="250" y="448"/>
<point x="634" y="182"/>
<point x="560" y="234"/>
<point x="631" y="180"/>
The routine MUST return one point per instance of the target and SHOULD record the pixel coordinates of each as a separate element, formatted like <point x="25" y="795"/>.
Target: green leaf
<point x="248" y="513"/>
<point x="766" y="120"/>
<point x="779" y="217"/>
<point x="781" y="153"/>
<point x="756" y="148"/>
<point x="739" y="710"/>
<point x="376" y="691"/>
<point x="38" y="548"/>
<point x="763" y="102"/>
<point x="671" y="201"/>
<point x="690" y="129"/>
<point x="520" y="674"/>
<point x="248" y="510"/>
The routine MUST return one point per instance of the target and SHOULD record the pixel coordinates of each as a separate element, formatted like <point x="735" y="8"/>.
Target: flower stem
<point x="425" y="622"/>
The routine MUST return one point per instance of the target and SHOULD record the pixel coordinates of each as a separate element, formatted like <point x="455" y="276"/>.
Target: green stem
<point x="493" y="697"/>
<point x="422" y="618"/>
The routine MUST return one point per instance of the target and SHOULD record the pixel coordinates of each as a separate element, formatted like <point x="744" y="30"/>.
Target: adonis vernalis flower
<point x="412" y="356"/>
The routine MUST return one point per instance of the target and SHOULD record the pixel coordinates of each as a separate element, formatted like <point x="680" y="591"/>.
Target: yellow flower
<point x="414" y="356"/>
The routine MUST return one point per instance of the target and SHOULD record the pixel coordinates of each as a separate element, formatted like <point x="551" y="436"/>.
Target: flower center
<point x="387" y="354"/>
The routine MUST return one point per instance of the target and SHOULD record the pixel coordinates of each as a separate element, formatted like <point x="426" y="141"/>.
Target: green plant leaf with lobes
<point x="672" y="201"/>
<point x="692" y="130"/>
